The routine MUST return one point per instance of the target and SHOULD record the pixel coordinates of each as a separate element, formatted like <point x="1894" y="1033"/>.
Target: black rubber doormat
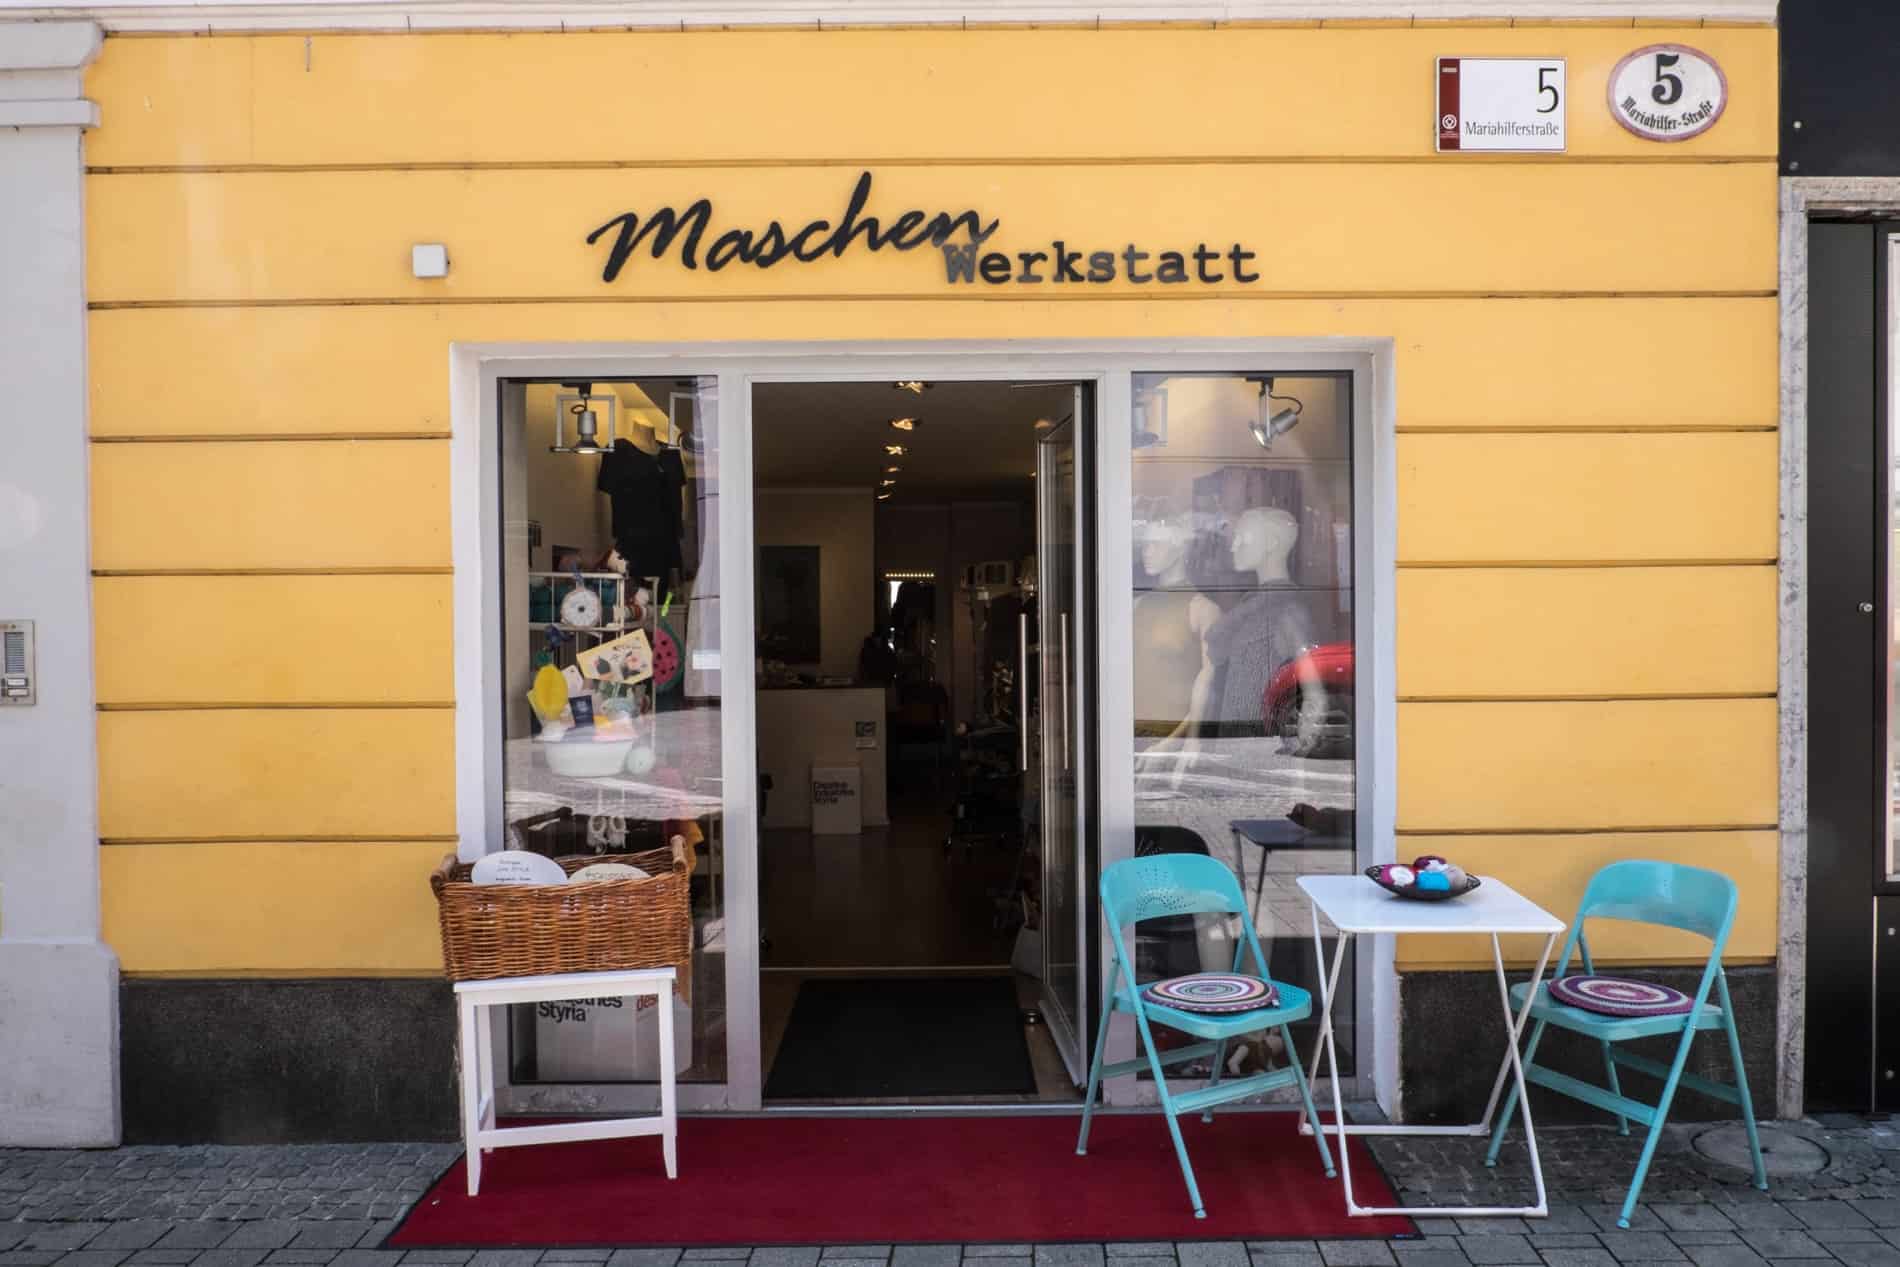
<point x="902" y="1036"/>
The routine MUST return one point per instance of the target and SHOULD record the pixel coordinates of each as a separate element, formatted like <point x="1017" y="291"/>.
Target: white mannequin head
<point x="1263" y="542"/>
<point x="1164" y="552"/>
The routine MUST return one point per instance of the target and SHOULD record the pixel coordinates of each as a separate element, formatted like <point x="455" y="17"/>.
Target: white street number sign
<point x="1668" y="92"/>
<point x="1493" y="104"/>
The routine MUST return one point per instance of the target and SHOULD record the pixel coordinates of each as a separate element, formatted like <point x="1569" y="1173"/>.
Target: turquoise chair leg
<point x="1505" y="1110"/>
<point x="1616" y="1087"/>
<point x="1167" y="1109"/>
<point x="1655" y="1127"/>
<point x="1741" y="1086"/>
<point x="1306" y="1098"/>
<point x="1095" y="1062"/>
<point x="1220" y="1066"/>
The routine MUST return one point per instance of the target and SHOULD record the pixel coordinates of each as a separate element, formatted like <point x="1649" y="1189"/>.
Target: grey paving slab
<point x="1703" y="1217"/>
<point x="264" y="1234"/>
<point x="1778" y="1242"/>
<point x="1004" y="1249"/>
<point x="1498" y="1251"/>
<point x="924" y="1256"/>
<point x="1355" y="1254"/>
<point x="1846" y="1235"/>
<point x="1868" y="1254"/>
<point x="1140" y="1260"/>
<point x="1688" y="1239"/>
<point x="29" y="1257"/>
<point x="58" y="1237"/>
<point x="368" y="1258"/>
<point x="132" y="1234"/>
<point x="777" y="1256"/>
<point x="880" y="1252"/>
<point x="331" y="1234"/>
<point x="1630" y="1247"/>
<point x="1563" y="1240"/>
<point x="644" y="1258"/>
<point x="864" y="1262"/>
<point x="1828" y="1214"/>
<point x="1212" y="1254"/>
<point x="707" y="1252"/>
<point x="1068" y="1255"/>
<point x="1723" y="1256"/>
<point x="1880" y="1211"/>
<point x="93" y="1258"/>
<point x="228" y="1256"/>
<point x="1761" y="1215"/>
<point x="162" y="1257"/>
<point x="294" y="1257"/>
<point x="1421" y="1254"/>
<point x="437" y="1257"/>
<point x="1266" y="1254"/>
<point x="1598" y="1257"/>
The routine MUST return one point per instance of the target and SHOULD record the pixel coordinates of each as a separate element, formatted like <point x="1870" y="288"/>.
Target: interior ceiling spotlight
<point x="1269" y="423"/>
<point x="904" y="424"/>
<point x="884" y="497"/>
<point x="914" y="386"/>
<point x="887" y="483"/>
<point x="895" y="450"/>
<point x="584" y="409"/>
<point x="892" y="470"/>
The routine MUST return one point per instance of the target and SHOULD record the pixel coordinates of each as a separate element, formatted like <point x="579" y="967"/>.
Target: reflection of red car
<point x="1323" y="723"/>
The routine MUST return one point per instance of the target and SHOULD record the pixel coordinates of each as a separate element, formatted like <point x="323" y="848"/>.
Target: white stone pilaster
<point x="59" y="983"/>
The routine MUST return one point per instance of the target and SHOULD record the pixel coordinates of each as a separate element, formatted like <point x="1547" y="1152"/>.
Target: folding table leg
<point x="471" y="1015"/>
<point x="669" y="1110"/>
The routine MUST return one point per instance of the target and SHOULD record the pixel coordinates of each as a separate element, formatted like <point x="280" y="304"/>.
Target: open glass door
<point x="1061" y="727"/>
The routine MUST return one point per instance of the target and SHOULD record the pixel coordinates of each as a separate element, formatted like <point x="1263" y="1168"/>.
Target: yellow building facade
<point x="1578" y="350"/>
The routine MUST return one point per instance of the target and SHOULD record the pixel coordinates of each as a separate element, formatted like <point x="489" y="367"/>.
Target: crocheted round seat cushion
<point x="1213" y="992"/>
<point x="1619" y="996"/>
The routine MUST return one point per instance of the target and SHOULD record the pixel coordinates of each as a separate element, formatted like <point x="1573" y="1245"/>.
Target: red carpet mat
<point x="781" y="1180"/>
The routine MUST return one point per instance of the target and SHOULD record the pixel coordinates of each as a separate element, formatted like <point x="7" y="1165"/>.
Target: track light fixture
<point x="1268" y="423"/>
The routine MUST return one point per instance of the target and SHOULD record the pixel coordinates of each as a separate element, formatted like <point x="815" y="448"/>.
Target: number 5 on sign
<point x="1501" y="104"/>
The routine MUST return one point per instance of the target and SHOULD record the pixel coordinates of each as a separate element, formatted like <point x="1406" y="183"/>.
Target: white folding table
<point x="474" y="998"/>
<point x="1357" y="907"/>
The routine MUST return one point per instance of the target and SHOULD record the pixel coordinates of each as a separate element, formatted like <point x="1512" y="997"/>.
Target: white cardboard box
<point x="607" y="1040"/>
<point x="837" y="800"/>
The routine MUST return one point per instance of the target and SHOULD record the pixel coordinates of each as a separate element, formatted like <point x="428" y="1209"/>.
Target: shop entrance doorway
<point x="924" y="621"/>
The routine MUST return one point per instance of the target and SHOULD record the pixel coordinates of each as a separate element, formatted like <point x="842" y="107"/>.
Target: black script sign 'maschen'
<point x="960" y="235"/>
<point x="765" y="247"/>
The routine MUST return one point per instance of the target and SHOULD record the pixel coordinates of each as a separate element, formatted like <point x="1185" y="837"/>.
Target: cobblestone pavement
<point x="1834" y="1198"/>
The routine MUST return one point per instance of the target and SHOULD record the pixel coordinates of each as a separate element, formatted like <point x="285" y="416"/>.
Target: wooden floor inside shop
<point x="893" y="902"/>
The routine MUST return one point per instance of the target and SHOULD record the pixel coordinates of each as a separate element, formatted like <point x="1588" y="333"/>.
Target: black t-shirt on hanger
<point x="645" y="491"/>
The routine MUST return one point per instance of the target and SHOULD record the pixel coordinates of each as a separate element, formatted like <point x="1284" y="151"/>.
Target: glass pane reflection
<point x="1243" y="659"/>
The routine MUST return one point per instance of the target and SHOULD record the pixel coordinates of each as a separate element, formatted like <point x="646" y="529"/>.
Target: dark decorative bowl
<point x="1460" y="883"/>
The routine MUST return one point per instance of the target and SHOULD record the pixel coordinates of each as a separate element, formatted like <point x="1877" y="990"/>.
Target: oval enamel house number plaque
<point x="1668" y="92"/>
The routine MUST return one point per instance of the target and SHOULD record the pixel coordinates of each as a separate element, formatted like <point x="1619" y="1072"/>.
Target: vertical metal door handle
<point x="1065" y="690"/>
<point x="1022" y="682"/>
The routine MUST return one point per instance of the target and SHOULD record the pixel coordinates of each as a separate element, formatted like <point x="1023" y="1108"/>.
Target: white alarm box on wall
<point x="837" y="800"/>
<point x="607" y="1040"/>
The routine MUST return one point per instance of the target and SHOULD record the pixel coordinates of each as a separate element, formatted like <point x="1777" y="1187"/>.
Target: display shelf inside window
<point x="581" y="621"/>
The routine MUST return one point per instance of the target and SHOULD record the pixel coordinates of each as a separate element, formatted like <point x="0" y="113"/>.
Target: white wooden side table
<point x="474" y="998"/>
<point x="1357" y="907"/>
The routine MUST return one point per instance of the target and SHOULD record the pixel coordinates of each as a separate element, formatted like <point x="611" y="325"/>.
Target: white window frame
<point x="477" y="371"/>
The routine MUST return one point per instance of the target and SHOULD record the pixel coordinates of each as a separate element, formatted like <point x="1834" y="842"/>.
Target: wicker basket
<point x="523" y="930"/>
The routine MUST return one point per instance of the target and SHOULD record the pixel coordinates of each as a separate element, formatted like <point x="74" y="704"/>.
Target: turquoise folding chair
<point x="1189" y="884"/>
<point x="1665" y="893"/>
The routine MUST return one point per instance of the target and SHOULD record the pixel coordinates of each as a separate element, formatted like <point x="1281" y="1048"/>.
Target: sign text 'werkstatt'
<point x="694" y="238"/>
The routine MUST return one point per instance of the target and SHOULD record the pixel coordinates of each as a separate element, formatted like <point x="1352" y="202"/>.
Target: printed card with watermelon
<point x="625" y="660"/>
